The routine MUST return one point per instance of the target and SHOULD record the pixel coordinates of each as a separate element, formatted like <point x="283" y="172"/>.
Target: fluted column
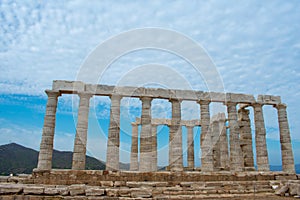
<point x="224" y="157"/>
<point x="78" y="162"/>
<point x="216" y="145"/>
<point x="46" y="147"/>
<point x="236" y="159"/>
<point x="175" y="142"/>
<point x="113" y="143"/>
<point x="205" y="139"/>
<point x="190" y="141"/>
<point x="246" y="138"/>
<point x="146" y="139"/>
<point x="262" y="161"/>
<point x="134" y="164"/>
<point x="285" y="140"/>
<point x="154" y="147"/>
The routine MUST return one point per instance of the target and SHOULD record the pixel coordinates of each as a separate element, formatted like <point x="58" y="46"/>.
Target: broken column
<point x="134" y="164"/>
<point x="236" y="159"/>
<point x="262" y="161"/>
<point x="46" y="148"/>
<point x="113" y="143"/>
<point x="246" y="138"/>
<point x="205" y="139"/>
<point x="145" y="138"/>
<point x="175" y="142"/>
<point x="78" y="162"/>
<point x="285" y="140"/>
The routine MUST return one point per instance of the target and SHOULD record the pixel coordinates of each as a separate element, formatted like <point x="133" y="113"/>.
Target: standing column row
<point x="46" y="147"/>
<point x="175" y="138"/>
<point x="113" y="143"/>
<point x="78" y="162"/>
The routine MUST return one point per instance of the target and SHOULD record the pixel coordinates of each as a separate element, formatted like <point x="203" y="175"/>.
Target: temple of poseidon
<point x="227" y="158"/>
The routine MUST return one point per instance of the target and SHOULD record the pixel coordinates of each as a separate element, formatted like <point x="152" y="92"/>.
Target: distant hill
<point x="18" y="159"/>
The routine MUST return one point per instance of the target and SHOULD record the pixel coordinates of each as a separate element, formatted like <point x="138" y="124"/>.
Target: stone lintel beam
<point x="268" y="99"/>
<point x="158" y="121"/>
<point x="138" y="92"/>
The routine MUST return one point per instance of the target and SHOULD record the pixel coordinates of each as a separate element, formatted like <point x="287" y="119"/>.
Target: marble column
<point x="190" y="143"/>
<point x="46" y="147"/>
<point x="146" y="139"/>
<point x="285" y="140"/>
<point x="236" y="159"/>
<point x="78" y="162"/>
<point x="113" y="142"/>
<point x="262" y="161"/>
<point x="216" y="145"/>
<point x="205" y="139"/>
<point x="134" y="163"/>
<point x="175" y="142"/>
<point x="246" y="138"/>
<point x="154" y="147"/>
<point x="224" y="157"/>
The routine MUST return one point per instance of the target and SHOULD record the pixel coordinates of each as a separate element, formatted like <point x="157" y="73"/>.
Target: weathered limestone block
<point x="10" y="188"/>
<point x="94" y="191"/>
<point x="112" y="192"/>
<point x="124" y="192"/>
<point x="141" y="193"/>
<point x="68" y="86"/>
<point x="32" y="189"/>
<point x="268" y="99"/>
<point x="51" y="190"/>
<point x="63" y="190"/>
<point x="107" y="183"/>
<point x="77" y="189"/>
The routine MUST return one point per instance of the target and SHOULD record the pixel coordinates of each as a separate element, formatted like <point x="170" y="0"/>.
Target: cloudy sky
<point x="254" y="47"/>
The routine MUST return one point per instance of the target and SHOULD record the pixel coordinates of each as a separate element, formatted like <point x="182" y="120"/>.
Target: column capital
<point x="256" y="104"/>
<point x="175" y="100"/>
<point x="204" y="102"/>
<point x="229" y="103"/>
<point x="53" y="93"/>
<point x="115" y="96"/>
<point x="85" y="95"/>
<point x="280" y="106"/>
<point x="144" y="99"/>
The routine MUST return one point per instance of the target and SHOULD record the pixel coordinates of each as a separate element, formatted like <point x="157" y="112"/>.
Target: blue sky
<point x="255" y="46"/>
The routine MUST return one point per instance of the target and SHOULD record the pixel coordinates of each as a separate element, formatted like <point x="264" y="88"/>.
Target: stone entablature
<point x="239" y="158"/>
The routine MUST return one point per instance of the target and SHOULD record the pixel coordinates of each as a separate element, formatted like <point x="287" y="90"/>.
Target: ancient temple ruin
<point x="213" y="142"/>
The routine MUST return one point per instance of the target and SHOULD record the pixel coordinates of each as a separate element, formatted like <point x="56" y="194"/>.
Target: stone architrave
<point x="236" y="159"/>
<point x="224" y="154"/>
<point x="154" y="147"/>
<point x="134" y="165"/>
<point x="175" y="141"/>
<point x="246" y="138"/>
<point x="78" y="162"/>
<point x="190" y="143"/>
<point x="46" y="147"/>
<point x="146" y="139"/>
<point x="205" y="139"/>
<point x="113" y="143"/>
<point x="285" y="140"/>
<point x="260" y="139"/>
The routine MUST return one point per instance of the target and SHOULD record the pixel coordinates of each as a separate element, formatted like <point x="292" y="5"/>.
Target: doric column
<point x="154" y="147"/>
<point x="113" y="142"/>
<point x="46" y="147"/>
<point x="260" y="139"/>
<point x="205" y="139"/>
<point x="134" y="164"/>
<point x="146" y="139"/>
<point x="79" y="152"/>
<point x="236" y="161"/>
<point x="224" y="157"/>
<point x="190" y="143"/>
<point x="175" y="142"/>
<point x="216" y="145"/>
<point x="246" y="138"/>
<point x="285" y="140"/>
